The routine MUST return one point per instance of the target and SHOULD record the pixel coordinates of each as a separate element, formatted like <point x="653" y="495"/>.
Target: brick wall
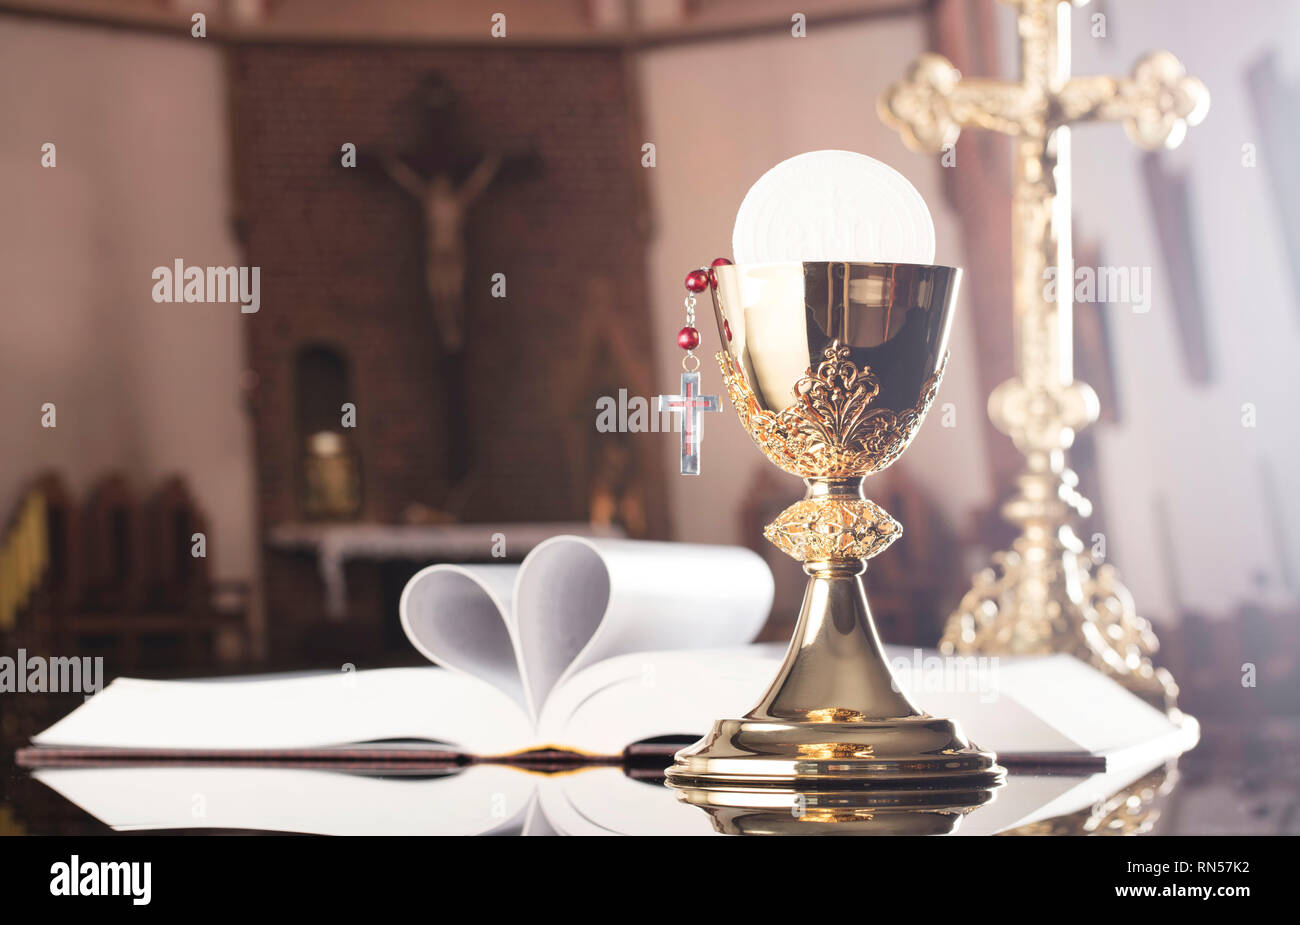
<point x="340" y="252"/>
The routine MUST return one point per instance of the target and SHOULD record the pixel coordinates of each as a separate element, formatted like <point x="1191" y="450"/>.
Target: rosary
<point x="689" y="403"/>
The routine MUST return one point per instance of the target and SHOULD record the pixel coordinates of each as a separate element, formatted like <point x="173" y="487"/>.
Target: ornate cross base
<point x="1041" y="596"/>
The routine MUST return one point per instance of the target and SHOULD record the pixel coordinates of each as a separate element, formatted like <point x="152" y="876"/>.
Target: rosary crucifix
<point x="1043" y="596"/>
<point x="689" y="403"/>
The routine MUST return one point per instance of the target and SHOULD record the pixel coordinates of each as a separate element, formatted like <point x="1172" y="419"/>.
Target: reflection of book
<point x="479" y="800"/>
<point x="589" y="646"/>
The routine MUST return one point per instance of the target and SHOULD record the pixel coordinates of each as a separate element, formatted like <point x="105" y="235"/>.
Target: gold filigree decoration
<point x="831" y="430"/>
<point x="827" y="529"/>
<point x="1103" y="628"/>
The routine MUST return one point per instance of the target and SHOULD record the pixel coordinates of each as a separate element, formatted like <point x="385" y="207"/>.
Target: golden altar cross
<point x="1043" y="595"/>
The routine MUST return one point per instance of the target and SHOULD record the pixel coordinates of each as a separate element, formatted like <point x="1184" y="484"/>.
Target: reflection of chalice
<point x="831" y="368"/>
<point x="796" y="809"/>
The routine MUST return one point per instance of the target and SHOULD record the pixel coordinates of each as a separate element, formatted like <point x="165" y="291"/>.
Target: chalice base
<point x="911" y="753"/>
<point x="835" y="717"/>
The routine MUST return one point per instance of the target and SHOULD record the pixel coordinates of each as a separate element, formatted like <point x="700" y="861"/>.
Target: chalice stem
<point x="835" y="668"/>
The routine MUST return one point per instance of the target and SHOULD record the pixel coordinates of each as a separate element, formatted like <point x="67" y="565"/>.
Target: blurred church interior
<point x="572" y="238"/>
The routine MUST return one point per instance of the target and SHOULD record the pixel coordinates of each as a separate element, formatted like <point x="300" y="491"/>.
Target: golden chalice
<point x="831" y="368"/>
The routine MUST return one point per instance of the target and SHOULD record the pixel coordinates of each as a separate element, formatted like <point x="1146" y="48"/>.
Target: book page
<point x="580" y="600"/>
<point x="456" y="616"/>
<point x="1095" y="711"/>
<point x="312" y="711"/>
<point x="645" y="695"/>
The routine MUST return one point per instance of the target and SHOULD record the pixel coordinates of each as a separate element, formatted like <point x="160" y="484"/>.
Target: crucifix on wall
<point x="444" y="204"/>
<point x="446" y="177"/>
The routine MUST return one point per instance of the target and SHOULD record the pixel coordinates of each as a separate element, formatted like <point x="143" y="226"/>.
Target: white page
<point x="316" y="711"/>
<point x="577" y="600"/>
<point x="1109" y="719"/>
<point x="456" y="616"/>
<point x="644" y="695"/>
<point x="580" y="600"/>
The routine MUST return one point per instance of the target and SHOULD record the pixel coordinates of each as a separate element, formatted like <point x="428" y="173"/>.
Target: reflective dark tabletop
<point x="1237" y="781"/>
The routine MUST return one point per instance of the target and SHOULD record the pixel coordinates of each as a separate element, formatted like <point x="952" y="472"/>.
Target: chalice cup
<point x="831" y="368"/>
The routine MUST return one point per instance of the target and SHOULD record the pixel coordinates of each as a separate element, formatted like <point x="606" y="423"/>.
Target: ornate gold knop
<point x="829" y="529"/>
<point x="831" y="430"/>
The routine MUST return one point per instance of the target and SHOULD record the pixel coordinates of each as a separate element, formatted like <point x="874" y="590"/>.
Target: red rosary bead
<point x="688" y="338"/>
<point x="697" y="281"/>
<point x="718" y="262"/>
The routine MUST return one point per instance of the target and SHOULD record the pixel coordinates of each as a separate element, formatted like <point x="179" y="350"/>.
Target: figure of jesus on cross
<point x="444" y="205"/>
<point x="445" y="178"/>
<point x="690" y="404"/>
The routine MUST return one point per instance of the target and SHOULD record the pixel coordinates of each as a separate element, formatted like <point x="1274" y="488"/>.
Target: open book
<point x="588" y="647"/>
